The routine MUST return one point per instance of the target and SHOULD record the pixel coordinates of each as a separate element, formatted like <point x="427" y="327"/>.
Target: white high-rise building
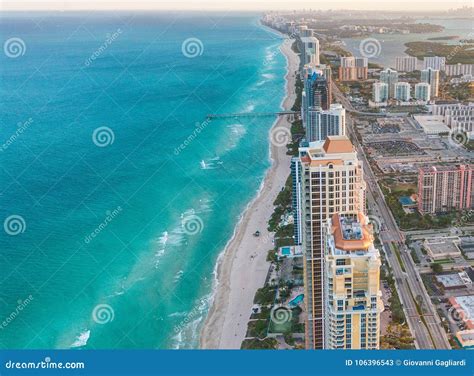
<point x="459" y="69"/>
<point x="434" y="62"/>
<point x="422" y="91"/>
<point x="402" y="91"/>
<point x="310" y="50"/>
<point x="380" y="92"/>
<point x="406" y="63"/>
<point x="431" y="76"/>
<point x="324" y="123"/>
<point x="353" y="297"/>
<point x="390" y="77"/>
<point x="331" y="181"/>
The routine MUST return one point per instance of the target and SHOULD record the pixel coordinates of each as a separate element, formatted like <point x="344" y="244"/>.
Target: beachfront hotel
<point x="310" y="53"/>
<point x="352" y="284"/>
<point x="324" y="123"/>
<point x="317" y="89"/>
<point x="330" y="181"/>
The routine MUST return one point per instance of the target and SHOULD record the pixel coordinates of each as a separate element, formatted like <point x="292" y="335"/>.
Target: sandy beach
<point x="243" y="267"/>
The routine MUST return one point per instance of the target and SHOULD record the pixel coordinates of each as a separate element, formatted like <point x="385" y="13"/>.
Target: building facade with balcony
<point x="352" y="284"/>
<point x="331" y="181"/>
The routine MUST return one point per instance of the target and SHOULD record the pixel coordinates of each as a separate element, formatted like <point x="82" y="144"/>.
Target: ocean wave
<point x="81" y="339"/>
<point x="250" y="107"/>
<point x="178" y="276"/>
<point x="177" y="236"/>
<point x="177" y="314"/>
<point x="168" y="239"/>
<point x="210" y="164"/>
<point x="238" y="131"/>
<point x="188" y="335"/>
<point x="206" y="205"/>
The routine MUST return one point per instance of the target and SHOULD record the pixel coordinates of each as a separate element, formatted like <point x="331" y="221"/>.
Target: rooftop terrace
<point x="351" y="232"/>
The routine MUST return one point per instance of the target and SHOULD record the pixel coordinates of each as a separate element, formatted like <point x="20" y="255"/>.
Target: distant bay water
<point x="117" y="196"/>
<point x="393" y="45"/>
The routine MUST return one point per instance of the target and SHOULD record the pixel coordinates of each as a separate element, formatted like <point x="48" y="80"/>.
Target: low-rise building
<point x="432" y="124"/>
<point x="441" y="248"/>
<point x="454" y="280"/>
<point x="465" y="338"/>
<point x="463" y="309"/>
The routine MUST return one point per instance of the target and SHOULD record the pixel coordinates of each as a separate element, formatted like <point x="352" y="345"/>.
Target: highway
<point x="427" y="328"/>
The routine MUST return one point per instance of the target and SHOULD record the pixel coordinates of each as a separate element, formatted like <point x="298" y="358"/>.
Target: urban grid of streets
<point x="426" y="327"/>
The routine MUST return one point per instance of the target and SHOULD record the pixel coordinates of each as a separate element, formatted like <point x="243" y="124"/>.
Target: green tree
<point x="437" y="268"/>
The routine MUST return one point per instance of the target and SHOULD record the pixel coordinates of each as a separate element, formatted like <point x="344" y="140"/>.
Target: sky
<point x="230" y="4"/>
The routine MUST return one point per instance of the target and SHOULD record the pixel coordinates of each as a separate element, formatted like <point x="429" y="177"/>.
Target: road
<point x="426" y="328"/>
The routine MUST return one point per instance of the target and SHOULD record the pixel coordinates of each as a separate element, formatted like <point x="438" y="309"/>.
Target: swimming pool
<point x="294" y="302"/>
<point x="286" y="251"/>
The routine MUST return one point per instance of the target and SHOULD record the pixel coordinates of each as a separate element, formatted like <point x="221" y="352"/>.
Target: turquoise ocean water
<point x="118" y="226"/>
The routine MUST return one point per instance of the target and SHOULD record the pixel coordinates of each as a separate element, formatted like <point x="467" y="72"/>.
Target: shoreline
<point x="242" y="267"/>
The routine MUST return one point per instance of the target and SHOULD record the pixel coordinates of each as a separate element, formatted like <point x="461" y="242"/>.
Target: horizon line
<point x="229" y="10"/>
